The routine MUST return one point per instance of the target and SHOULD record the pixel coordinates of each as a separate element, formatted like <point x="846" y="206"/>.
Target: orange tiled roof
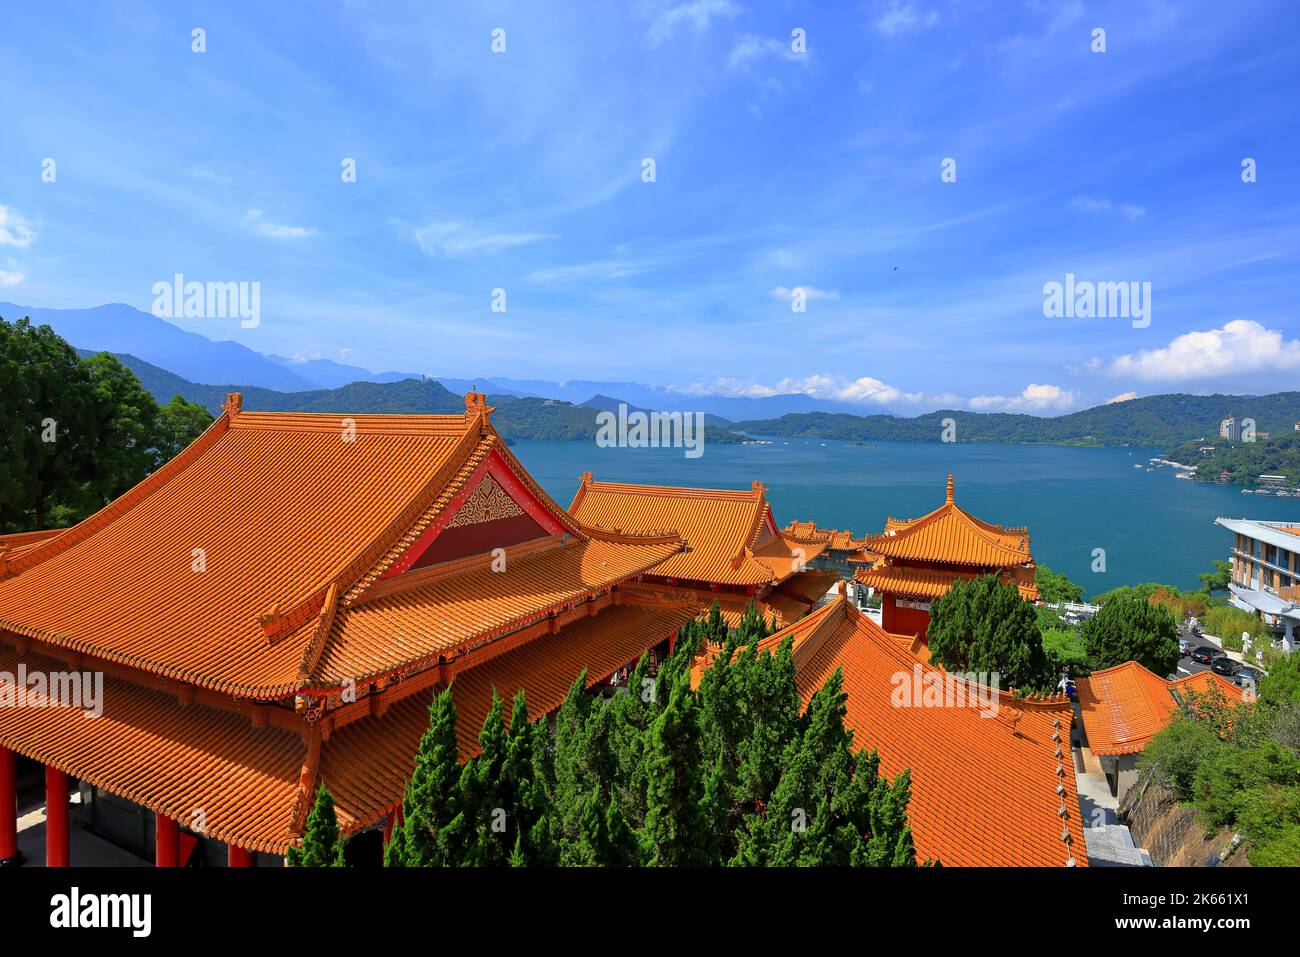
<point x="173" y="758"/>
<point x="912" y="582"/>
<point x="731" y="536"/>
<point x="834" y="539"/>
<point x="367" y="763"/>
<point x="984" y="789"/>
<point x="950" y="534"/>
<point x="808" y="586"/>
<point x="1124" y="707"/>
<point x="429" y="613"/>
<point x="236" y="567"/>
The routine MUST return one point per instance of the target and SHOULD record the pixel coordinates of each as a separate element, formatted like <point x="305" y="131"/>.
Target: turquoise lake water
<point x="1152" y="526"/>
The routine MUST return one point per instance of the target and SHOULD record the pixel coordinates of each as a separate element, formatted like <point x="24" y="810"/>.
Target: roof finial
<point x="585" y="478"/>
<point x="234" y="403"/>
<point x="950" y="497"/>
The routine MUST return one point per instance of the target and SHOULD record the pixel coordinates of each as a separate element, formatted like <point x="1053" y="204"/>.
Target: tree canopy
<point x="78" y="432"/>
<point x="734" y="771"/>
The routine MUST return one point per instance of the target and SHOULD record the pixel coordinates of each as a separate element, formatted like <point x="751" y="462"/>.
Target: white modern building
<point x="1266" y="573"/>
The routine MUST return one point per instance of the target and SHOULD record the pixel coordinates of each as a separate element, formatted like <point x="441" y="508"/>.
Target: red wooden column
<point x="9" y="856"/>
<point x="167" y="841"/>
<point x="238" y="857"/>
<point x="56" y="817"/>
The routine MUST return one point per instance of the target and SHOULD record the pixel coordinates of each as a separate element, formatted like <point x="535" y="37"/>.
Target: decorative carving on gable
<point x="487" y="503"/>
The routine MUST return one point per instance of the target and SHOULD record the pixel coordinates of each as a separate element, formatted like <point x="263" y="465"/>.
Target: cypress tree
<point x="488" y="810"/>
<point x="983" y="625"/>
<point x="432" y="822"/>
<point x="674" y="831"/>
<point x="321" y="845"/>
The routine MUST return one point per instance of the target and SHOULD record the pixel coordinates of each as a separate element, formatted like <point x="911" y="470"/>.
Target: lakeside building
<point x="1229" y="429"/>
<point x="1124" y="707"/>
<point x="992" y="781"/>
<point x="913" y="562"/>
<point x="1265" y="559"/>
<point x="276" y="607"/>
<point x="734" y="555"/>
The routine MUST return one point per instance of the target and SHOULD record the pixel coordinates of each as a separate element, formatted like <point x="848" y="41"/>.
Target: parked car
<point x="1184" y="647"/>
<point x="1206" y="653"/>
<point x="1223" y="665"/>
<point x="1247" y="675"/>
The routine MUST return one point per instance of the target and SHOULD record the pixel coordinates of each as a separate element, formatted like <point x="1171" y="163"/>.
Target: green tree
<point x="1055" y="588"/>
<point x="1218" y="579"/>
<point x="122" y="433"/>
<point x="45" y="438"/>
<point x="1282" y="683"/>
<point x="432" y="822"/>
<point x="321" y="844"/>
<point x="487" y="808"/>
<point x="179" y="423"/>
<point x="674" y="818"/>
<point x="1129" y="628"/>
<point x="983" y="625"/>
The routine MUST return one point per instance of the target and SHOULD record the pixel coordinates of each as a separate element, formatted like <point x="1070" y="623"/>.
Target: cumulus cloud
<point x="1090" y="204"/>
<point x="1122" y="397"/>
<point x="11" y="275"/>
<point x="695" y="15"/>
<point x="896" y="17"/>
<point x="864" y="389"/>
<point x="259" y="225"/>
<point x="1034" y="398"/>
<point x="14" y="229"/>
<point x="1240" y="346"/>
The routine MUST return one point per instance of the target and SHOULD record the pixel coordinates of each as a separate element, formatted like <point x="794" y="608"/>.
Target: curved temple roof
<point x="731" y="536"/>
<point x="952" y="535"/>
<point x="1124" y="707"/>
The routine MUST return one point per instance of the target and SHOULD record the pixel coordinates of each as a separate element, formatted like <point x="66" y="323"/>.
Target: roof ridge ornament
<point x="949" y="499"/>
<point x="234" y="404"/>
<point x="476" y="404"/>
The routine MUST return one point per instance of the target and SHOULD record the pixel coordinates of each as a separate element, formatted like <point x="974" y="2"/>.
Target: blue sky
<point x="774" y="170"/>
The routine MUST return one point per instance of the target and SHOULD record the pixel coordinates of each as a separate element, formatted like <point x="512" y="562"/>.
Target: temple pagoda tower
<point x="913" y="562"/>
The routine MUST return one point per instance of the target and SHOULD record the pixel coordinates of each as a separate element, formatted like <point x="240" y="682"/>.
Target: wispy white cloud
<point x="750" y="49"/>
<point x="1239" y="346"/>
<point x="1091" y="204"/>
<point x="696" y="15"/>
<point x="785" y="294"/>
<point x="15" y="230"/>
<point x="455" y="240"/>
<point x="1034" y="397"/>
<point x="896" y="17"/>
<point x="259" y="225"/>
<point x="1122" y="397"/>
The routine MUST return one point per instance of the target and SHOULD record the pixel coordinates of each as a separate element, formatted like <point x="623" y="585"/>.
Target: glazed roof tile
<point x="263" y="510"/>
<point x="178" y="760"/>
<point x="1124" y="707"/>
<point x="731" y="536"/>
<point x="438" y="611"/>
<point x="950" y="534"/>
<point x="915" y="582"/>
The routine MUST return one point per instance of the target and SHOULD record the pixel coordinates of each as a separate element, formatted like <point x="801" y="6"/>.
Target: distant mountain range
<point x="123" y="329"/>
<point x="170" y="361"/>
<point x="1154" y="420"/>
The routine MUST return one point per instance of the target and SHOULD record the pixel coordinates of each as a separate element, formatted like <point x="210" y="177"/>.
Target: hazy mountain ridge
<point x="1155" y="420"/>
